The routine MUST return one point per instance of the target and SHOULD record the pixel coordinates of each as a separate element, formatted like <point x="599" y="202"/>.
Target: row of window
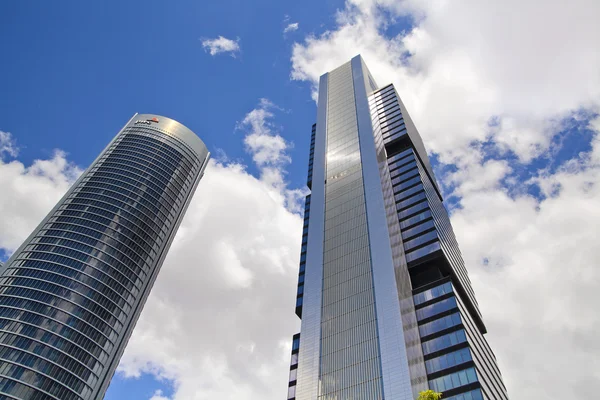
<point x="148" y="207"/>
<point x="106" y="165"/>
<point x="57" y="307"/>
<point x="442" y="342"/>
<point x="131" y="176"/>
<point x="146" y="183"/>
<point x="454" y="380"/>
<point x="11" y="307"/>
<point x="52" y="357"/>
<point x="396" y="128"/>
<point x="436" y="308"/>
<point x="420" y="240"/>
<point x="74" y="258"/>
<point x="145" y="237"/>
<point x="171" y="144"/>
<point x="165" y="202"/>
<point x="433" y="293"/>
<point x="153" y="142"/>
<point x="11" y="356"/>
<point x="440" y="324"/>
<point x="20" y="320"/>
<point x="127" y="246"/>
<point x="136" y="266"/>
<point x="401" y="165"/>
<point x="400" y="195"/>
<point x="448" y="360"/>
<point x="179" y="172"/>
<point x="123" y="225"/>
<point x="54" y="341"/>
<point x="12" y="389"/>
<point x="99" y="305"/>
<point x="423" y="251"/>
<point x="87" y="275"/>
<point x="141" y="158"/>
<point x="472" y="395"/>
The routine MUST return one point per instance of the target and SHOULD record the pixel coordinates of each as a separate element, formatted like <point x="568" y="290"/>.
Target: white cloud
<point x="7" y="145"/>
<point x="158" y="395"/>
<point x="291" y="27"/>
<point x="221" y="45"/>
<point x="29" y="193"/>
<point x="467" y="63"/>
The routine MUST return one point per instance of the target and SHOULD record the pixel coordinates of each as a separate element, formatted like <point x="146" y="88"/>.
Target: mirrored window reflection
<point x="453" y="380"/>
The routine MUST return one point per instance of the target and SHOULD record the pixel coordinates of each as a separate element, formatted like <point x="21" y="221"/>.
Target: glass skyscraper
<point x="386" y="304"/>
<point x="71" y="294"/>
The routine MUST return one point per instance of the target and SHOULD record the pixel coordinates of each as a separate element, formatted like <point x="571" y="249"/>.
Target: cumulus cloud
<point x="467" y="62"/>
<point x="489" y="88"/>
<point x="221" y="45"/>
<point x="7" y="145"/>
<point x="291" y="27"/>
<point x="29" y="193"/>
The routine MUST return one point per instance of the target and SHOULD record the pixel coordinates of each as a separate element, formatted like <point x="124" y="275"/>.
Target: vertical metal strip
<point x="310" y="339"/>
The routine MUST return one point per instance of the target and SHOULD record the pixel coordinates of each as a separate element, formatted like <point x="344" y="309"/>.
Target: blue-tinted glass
<point x="472" y="395"/>
<point x="407" y="233"/>
<point x="414" y="209"/>
<point x="423" y="251"/>
<point x="411" y="200"/>
<point x="419" y="240"/>
<point x="453" y="380"/>
<point x="442" y="342"/>
<point x="413" y="220"/>
<point x="448" y="360"/>
<point x="432" y="293"/>
<point x="436" y="308"/>
<point x="401" y="195"/>
<point x="400" y="155"/>
<point x="440" y="324"/>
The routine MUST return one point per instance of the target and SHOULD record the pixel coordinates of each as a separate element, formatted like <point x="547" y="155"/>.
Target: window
<point x="472" y="395"/>
<point x="448" y="360"/>
<point x="423" y="251"/>
<point x="440" y="324"/>
<point x="443" y="342"/>
<point x="434" y="309"/>
<point x="454" y="380"/>
<point x="432" y="293"/>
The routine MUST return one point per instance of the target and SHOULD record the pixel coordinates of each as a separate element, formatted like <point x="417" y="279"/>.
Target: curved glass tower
<point x="71" y="294"/>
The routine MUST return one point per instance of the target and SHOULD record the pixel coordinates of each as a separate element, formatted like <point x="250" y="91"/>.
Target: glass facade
<point x="384" y="296"/>
<point x="71" y="294"/>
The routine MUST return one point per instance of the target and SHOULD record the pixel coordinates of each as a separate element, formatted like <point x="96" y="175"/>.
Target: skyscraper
<point x="71" y="294"/>
<point x="386" y="304"/>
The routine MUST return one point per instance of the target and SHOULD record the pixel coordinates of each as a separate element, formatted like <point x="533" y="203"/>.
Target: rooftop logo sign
<point x="146" y="121"/>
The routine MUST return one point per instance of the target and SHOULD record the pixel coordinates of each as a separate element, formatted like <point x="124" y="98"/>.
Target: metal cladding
<point x="72" y="293"/>
<point x="384" y="296"/>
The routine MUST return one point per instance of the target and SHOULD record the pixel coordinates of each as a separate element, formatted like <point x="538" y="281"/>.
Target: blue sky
<point x="77" y="71"/>
<point x="506" y="103"/>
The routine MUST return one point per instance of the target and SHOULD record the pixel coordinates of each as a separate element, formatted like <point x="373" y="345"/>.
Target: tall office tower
<point x="72" y="293"/>
<point x="386" y="305"/>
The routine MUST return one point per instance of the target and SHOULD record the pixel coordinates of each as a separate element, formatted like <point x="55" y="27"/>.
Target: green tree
<point x="429" y="395"/>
